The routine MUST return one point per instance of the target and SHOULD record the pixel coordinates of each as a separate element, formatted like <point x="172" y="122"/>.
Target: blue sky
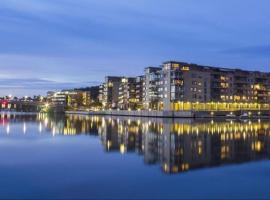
<point x="53" y="44"/>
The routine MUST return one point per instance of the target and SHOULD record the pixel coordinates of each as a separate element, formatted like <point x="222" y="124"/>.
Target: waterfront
<point x="78" y="156"/>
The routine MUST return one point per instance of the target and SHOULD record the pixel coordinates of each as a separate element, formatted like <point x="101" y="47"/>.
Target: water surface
<point x="115" y="157"/>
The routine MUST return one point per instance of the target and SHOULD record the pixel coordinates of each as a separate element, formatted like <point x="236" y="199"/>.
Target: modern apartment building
<point x="110" y="92"/>
<point x="92" y="93"/>
<point x="184" y="83"/>
<point x="57" y="98"/>
<point x="127" y="94"/>
<point x="178" y="86"/>
<point x="78" y="100"/>
<point x="100" y="93"/>
<point x="194" y="87"/>
<point x="140" y="83"/>
<point x="153" y="89"/>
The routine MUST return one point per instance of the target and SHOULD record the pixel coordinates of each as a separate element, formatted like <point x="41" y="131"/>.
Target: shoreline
<point x="18" y="112"/>
<point x="174" y="114"/>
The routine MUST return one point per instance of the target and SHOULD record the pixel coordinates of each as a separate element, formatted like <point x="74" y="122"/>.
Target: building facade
<point x="140" y="83"/>
<point x="110" y="92"/>
<point x="194" y="87"/>
<point x="181" y="86"/>
<point x="127" y="94"/>
<point x="152" y="88"/>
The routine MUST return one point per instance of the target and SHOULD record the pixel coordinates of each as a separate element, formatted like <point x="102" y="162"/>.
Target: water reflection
<point x="176" y="145"/>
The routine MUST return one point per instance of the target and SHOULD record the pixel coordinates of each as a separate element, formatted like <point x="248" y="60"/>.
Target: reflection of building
<point x="180" y="146"/>
<point x="184" y="151"/>
<point x="175" y="145"/>
<point x="151" y="147"/>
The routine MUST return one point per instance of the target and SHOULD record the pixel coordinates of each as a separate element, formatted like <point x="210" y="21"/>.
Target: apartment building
<point x="194" y="87"/>
<point x="57" y="98"/>
<point x="140" y="83"/>
<point x="177" y="86"/>
<point x="127" y="94"/>
<point x="184" y="83"/>
<point x="110" y="92"/>
<point x="153" y="89"/>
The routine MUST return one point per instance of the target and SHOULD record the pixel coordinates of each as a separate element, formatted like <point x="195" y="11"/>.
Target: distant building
<point x="100" y="93"/>
<point x="71" y="99"/>
<point x="77" y="99"/>
<point x="92" y="92"/>
<point x="58" y="98"/>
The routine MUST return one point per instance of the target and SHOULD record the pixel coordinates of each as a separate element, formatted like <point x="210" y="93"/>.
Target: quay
<point x="175" y="114"/>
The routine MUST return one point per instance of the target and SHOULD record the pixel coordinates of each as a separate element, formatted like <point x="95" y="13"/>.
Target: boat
<point x="231" y="115"/>
<point x="244" y="116"/>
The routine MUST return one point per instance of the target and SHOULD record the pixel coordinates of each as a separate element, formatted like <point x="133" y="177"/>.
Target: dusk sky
<point x="54" y="44"/>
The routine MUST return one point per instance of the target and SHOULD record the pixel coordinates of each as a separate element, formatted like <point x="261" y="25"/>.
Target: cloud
<point x="82" y="41"/>
<point x="29" y="86"/>
<point x="258" y="51"/>
<point x="40" y="84"/>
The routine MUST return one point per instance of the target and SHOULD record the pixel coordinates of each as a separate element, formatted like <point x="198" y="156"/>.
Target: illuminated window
<point x="185" y="68"/>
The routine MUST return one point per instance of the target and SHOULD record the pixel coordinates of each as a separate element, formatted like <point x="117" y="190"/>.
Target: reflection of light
<point x="122" y="148"/>
<point x="8" y="129"/>
<point x="46" y="121"/>
<point x="185" y="166"/>
<point x="258" y="146"/>
<point x="24" y="128"/>
<point x="40" y="127"/>
<point x="53" y="132"/>
<point x="109" y="144"/>
<point x="165" y="167"/>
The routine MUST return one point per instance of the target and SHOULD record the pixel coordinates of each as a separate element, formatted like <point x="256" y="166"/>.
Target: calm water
<point x="102" y="157"/>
